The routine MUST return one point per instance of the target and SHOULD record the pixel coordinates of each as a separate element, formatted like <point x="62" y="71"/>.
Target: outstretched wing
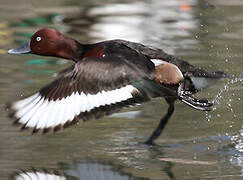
<point x="90" y="88"/>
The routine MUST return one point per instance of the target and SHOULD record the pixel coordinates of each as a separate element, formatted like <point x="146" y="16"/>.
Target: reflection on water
<point x="150" y="23"/>
<point x="85" y="169"/>
<point x="206" y="33"/>
<point x="35" y="175"/>
<point x="237" y="141"/>
<point x="236" y="150"/>
<point x="94" y="170"/>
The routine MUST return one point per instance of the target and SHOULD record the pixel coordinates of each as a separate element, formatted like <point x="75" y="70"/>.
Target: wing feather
<point x="88" y="89"/>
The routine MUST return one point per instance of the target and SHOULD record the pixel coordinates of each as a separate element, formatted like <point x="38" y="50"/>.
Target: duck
<point x="105" y="77"/>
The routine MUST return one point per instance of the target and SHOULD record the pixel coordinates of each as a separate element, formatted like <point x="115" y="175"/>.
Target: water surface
<point x="194" y="145"/>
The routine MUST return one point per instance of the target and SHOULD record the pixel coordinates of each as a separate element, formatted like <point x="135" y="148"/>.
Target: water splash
<point x="237" y="140"/>
<point x="208" y="116"/>
<point x="220" y="97"/>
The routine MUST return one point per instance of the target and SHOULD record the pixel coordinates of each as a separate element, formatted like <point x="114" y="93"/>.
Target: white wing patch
<point x="38" y="112"/>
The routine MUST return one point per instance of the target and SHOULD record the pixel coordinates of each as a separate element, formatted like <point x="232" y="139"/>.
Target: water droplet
<point x="208" y="116"/>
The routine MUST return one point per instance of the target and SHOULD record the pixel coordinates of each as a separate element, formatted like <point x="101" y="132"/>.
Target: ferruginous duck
<point x="105" y="77"/>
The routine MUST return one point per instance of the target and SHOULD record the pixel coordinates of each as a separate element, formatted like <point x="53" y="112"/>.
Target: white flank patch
<point x="35" y="111"/>
<point x="158" y="62"/>
<point x="38" y="176"/>
<point x="202" y="82"/>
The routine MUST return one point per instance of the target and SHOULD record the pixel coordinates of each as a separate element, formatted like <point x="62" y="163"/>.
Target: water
<point x="194" y="145"/>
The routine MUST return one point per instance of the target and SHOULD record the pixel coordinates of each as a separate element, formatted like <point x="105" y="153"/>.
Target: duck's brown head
<point x="49" y="42"/>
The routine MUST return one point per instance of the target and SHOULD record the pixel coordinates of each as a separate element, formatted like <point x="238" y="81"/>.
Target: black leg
<point x="161" y="125"/>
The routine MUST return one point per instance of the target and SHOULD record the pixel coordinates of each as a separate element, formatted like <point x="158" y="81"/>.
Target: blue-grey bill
<point x="21" y="50"/>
